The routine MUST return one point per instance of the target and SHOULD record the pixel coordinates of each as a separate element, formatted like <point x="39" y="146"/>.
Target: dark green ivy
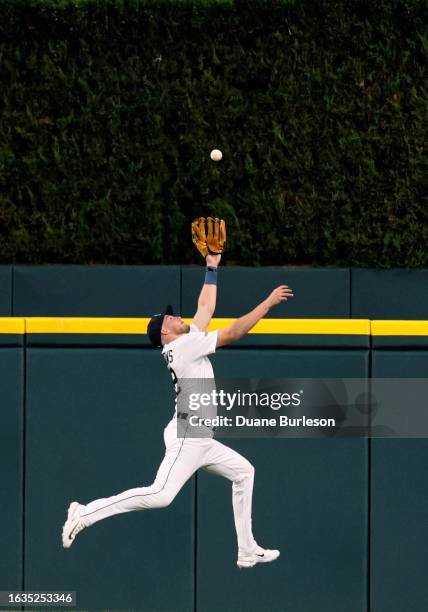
<point x="109" y="110"/>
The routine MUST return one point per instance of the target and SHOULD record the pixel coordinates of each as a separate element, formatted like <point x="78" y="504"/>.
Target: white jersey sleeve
<point x="198" y="344"/>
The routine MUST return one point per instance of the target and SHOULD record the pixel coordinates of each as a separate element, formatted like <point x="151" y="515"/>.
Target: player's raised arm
<point x="209" y="237"/>
<point x="208" y="296"/>
<point x="242" y="326"/>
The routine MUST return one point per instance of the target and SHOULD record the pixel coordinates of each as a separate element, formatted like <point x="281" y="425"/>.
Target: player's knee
<point x="247" y="471"/>
<point x="251" y="470"/>
<point x="164" y="499"/>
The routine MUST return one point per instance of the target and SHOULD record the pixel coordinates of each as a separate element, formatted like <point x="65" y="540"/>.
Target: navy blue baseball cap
<point x="155" y="326"/>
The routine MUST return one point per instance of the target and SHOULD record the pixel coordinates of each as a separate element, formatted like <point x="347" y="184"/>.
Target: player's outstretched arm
<point x="242" y="326"/>
<point x="208" y="296"/>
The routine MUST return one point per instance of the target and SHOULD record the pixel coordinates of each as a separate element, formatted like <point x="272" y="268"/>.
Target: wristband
<point x="211" y="276"/>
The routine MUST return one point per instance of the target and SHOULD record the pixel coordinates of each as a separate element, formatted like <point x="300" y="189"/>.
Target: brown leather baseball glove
<point x="209" y="235"/>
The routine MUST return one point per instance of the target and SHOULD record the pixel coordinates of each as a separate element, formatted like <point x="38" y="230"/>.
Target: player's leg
<point x="226" y="462"/>
<point x="182" y="458"/>
<point x="174" y="471"/>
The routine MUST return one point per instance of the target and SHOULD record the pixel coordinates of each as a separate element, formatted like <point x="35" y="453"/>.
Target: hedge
<point x="109" y="111"/>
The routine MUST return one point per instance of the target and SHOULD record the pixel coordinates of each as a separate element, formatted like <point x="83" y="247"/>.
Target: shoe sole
<point x="246" y="564"/>
<point x="72" y="507"/>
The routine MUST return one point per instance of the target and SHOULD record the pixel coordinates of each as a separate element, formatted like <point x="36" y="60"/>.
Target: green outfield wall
<point x="399" y="494"/>
<point x="11" y="462"/>
<point x="85" y="401"/>
<point x="5" y="291"/>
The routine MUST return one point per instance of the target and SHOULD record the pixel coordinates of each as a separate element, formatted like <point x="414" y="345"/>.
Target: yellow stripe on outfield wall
<point x="70" y="325"/>
<point x="78" y="325"/>
<point x="304" y="326"/>
<point x="12" y="325"/>
<point x="99" y="325"/>
<point x="399" y="328"/>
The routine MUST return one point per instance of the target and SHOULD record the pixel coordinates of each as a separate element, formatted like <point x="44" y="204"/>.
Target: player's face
<point x="175" y="325"/>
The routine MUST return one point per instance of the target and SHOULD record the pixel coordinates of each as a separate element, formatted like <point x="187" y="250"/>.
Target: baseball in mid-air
<point x="216" y="155"/>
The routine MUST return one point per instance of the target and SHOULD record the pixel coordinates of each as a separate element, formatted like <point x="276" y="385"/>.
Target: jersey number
<point x="169" y="358"/>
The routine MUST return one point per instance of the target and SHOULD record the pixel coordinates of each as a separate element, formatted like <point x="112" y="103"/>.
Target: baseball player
<point x="185" y="349"/>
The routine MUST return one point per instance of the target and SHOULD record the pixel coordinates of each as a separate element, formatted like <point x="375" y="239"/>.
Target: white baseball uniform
<point x="186" y="357"/>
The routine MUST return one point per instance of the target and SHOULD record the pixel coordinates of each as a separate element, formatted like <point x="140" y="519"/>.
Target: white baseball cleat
<point x="260" y="555"/>
<point x="73" y="525"/>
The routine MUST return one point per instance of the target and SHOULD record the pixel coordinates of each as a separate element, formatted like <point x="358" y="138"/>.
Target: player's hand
<point x="213" y="260"/>
<point x="280" y="294"/>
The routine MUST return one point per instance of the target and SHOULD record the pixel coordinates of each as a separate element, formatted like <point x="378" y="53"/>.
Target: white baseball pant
<point x="183" y="456"/>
